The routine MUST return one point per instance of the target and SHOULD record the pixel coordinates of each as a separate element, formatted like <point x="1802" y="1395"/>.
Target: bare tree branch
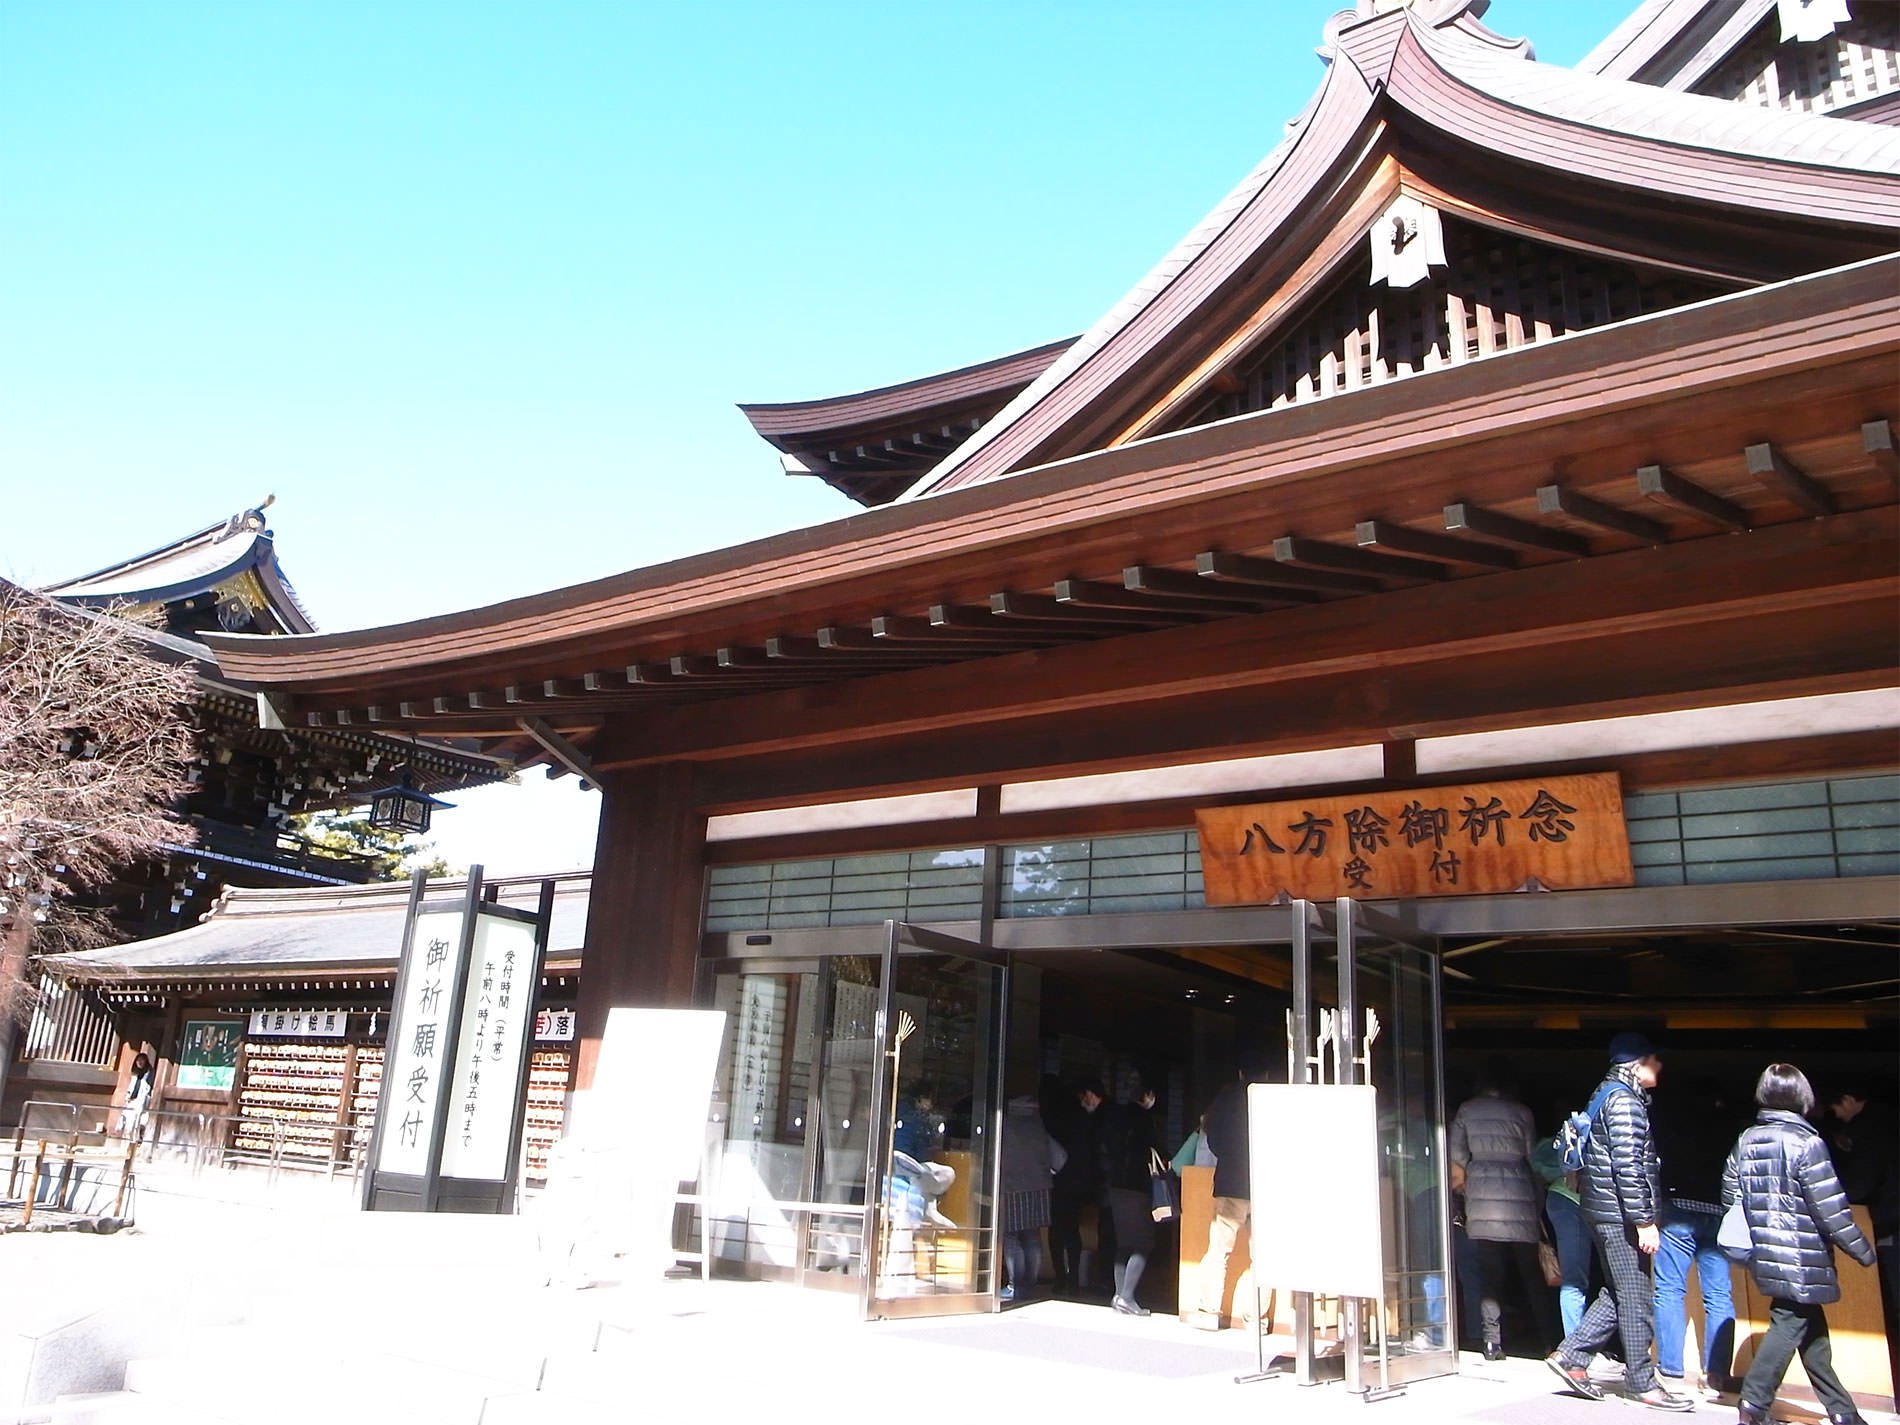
<point x="94" y="732"/>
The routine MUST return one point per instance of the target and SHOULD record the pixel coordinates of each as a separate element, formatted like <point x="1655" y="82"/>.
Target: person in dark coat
<point x="1130" y="1138"/>
<point x="1490" y="1145"/>
<point x="1227" y="1140"/>
<point x="1620" y="1192"/>
<point x="1865" y="1145"/>
<point x="1079" y="1183"/>
<point x="1797" y="1214"/>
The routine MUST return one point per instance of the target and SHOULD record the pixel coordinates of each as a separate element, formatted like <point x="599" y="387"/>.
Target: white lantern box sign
<point x="300" y="1023"/>
<point x="554" y="1025"/>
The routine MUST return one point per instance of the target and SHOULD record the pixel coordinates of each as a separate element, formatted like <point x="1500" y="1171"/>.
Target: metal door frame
<point x="900" y="936"/>
<point x="1350" y="924"/>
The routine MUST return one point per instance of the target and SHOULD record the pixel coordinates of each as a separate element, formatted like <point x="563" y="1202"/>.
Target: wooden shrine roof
<point x="872" y="445"/>
<point x="196" y="564"/>
<point x="1674" y="42"/>
<point x="1766" y="407"/>
<point x="271" y="933"/>
<point x="1429" y="79"/>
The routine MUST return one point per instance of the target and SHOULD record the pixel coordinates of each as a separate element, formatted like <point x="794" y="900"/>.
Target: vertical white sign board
<point x="1315" y="1176"/>
<point x="497" y="994"/>
<point x="419" y="1053"/>
<point x="638" y="1133"/>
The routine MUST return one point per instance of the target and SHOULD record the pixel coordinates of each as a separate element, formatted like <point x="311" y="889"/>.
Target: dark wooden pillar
<point x="644" y="911"/>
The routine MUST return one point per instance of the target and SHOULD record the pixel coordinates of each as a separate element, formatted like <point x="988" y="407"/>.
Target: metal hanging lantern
<point x="402" y="808"/>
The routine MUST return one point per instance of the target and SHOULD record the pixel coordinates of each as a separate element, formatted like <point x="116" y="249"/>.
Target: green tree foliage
<point x="348" y="836"/>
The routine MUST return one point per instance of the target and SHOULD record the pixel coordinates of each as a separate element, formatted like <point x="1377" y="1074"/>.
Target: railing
<point x="70" y="1025"/>
<point x="195" y="1141"/>
<point x="60" y="1190"/>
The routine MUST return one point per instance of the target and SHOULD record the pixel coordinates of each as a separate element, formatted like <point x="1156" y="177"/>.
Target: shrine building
<point x="1457" y="582"/>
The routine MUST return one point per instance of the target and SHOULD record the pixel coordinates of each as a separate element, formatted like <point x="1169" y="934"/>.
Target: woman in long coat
<point x="1797" y="1214"/>
<point x="1490" y="1146"/>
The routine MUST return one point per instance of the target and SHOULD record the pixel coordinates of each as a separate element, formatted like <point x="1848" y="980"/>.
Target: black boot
<point x="1753" y="1414"/>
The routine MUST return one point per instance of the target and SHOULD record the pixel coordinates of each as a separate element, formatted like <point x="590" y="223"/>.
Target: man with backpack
<point x="1620" y="1192"/>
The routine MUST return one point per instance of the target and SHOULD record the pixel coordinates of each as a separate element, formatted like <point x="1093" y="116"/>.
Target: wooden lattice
<point x="1497" y="292"/>
<point x="1858" y="62"/>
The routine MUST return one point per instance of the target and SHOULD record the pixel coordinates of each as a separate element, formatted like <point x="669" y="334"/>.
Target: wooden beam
<point x="1293" y="584"/>
<point x="1011" y="605"/>
<point x="1089" y="593"/>
<point x="982" y="621"/>
<point x="1350" y="560"/>
<point x="1193" y="589"/>
<point x="902" y="629"/>
<point x="1768" y="465"/>
<point x="1634" y="593"/>
<point x="1429" y="544"/>
<point x="1876" y="443"/>
<point x="1657" y="483"/>
<point x="1758" y="655"/>
<point x="561" y="750"/>
<point x="1508" y="529"/>
<point x="1556" y="500"/>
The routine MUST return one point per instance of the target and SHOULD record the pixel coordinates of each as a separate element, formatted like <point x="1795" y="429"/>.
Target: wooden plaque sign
<point x="1565" y="833"/>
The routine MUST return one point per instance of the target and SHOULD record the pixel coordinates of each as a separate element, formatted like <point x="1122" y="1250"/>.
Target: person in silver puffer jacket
<point x="1490" y="1145"/>
<point x="1797" y="1214"/>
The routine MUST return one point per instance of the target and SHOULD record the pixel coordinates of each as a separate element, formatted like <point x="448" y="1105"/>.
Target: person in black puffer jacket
<point x="1797" y="1214"/>
<point x="1620" y="1194"/>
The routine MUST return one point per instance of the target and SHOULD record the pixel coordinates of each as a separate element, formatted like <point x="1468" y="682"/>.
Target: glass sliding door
<point x="793" y="1116"/>
<point x="932" y="1222"/>
<point x="1388" y="975"/>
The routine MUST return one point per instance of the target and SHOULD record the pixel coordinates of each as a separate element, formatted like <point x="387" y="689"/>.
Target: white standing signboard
<point x="417" y="1058"/>
<point x="632" y="1139"/>
<point x="497" y="1004"/>
<point x="452" y="1107"/>
<point x="1315" y="1177"/>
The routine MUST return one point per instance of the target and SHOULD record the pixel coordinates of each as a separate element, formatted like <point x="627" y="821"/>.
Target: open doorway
<point x="1536" y="1012"/>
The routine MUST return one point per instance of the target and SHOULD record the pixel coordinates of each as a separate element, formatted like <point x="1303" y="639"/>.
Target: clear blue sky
<point x="488" y="278"/>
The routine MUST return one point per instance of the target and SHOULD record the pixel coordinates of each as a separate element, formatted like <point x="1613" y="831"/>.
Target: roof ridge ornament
<point x="1408" y="241"/>
<point x="1805" y="21"/>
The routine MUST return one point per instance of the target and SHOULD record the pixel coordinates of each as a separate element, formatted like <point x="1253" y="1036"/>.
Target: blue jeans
<point x="1574" y="1253"/>
<point x="1690" y="1237"/>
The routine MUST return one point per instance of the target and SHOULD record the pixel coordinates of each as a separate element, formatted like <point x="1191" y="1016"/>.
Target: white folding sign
<point x="1315" y="1178"/>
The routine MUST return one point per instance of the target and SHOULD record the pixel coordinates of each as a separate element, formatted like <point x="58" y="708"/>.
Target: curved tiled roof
<point x="194" y="565"/>
<point x="268" y="930"/>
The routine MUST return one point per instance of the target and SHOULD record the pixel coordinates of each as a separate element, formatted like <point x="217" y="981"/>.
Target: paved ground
<point x="246" y="1302"/>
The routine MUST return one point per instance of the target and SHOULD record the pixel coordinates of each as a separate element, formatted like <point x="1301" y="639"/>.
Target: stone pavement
<point x="240" y="1303"/>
